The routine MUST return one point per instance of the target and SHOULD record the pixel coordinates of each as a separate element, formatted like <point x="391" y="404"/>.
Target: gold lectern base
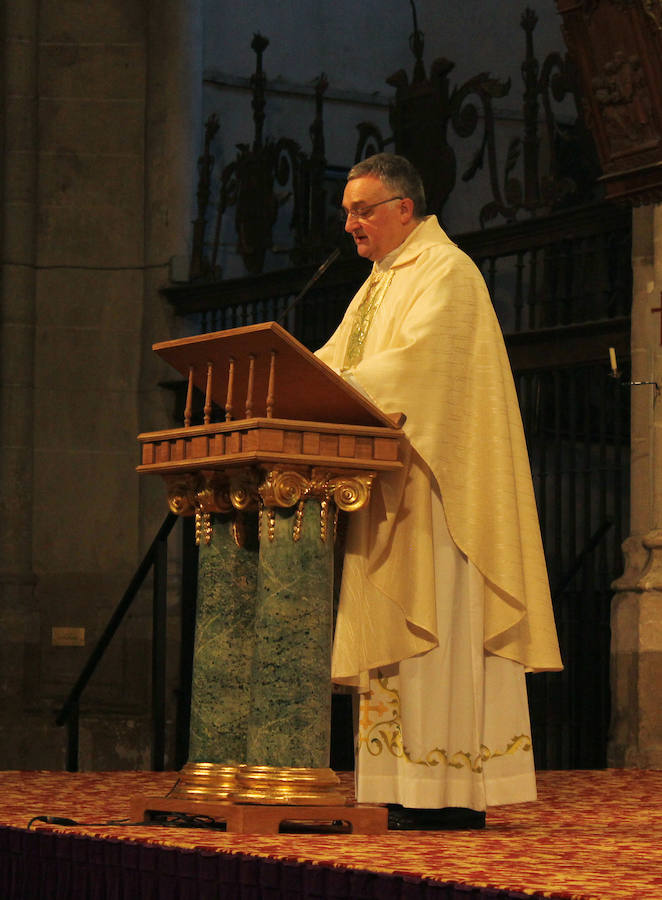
<point x="244" y="818"/>
<point x="287" y="785"/>
<point x="262" y="800"/>
<point x="279" y="785"/>
<point x="205" y="781"/>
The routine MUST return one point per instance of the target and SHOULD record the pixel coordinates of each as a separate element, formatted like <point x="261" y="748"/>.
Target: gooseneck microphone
<point x="318" y="274"/>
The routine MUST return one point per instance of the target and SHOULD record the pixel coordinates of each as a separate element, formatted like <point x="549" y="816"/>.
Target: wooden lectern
<point x="295" y="443"/>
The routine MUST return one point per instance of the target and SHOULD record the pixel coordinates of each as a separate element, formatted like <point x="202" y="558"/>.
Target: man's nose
<point x="351" y="223"/>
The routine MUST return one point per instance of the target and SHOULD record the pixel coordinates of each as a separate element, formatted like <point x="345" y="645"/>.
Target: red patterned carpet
<point x="594" y="834"/>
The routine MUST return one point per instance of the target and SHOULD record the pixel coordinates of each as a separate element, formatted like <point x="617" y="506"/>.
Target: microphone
<point x="318" y="274"/>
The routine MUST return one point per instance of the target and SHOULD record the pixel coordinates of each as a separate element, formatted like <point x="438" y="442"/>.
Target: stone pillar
<point x="261" y="704"/>
<point x="291" y="679"/>
<point x="225" y="621"/>
<point x="636" y="655"/>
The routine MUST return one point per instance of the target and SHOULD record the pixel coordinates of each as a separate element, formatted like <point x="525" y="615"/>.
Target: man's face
<point x="383" y="227"/>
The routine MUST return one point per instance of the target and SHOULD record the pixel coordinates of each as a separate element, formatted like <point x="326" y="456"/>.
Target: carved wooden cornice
<point x="617" y="48"/>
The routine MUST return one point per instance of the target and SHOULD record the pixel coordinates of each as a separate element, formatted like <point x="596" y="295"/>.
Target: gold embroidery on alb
<point x="380" y="731"/>
<point x="377" y="287"/>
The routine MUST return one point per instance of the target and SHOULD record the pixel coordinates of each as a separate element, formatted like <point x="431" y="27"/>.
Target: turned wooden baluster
<point x="249" y="389"/>
<point x="272" y="385"/>
<point x="208" y="393"/>
<point x="189" y="399"/>
<point x="229" y="397"/>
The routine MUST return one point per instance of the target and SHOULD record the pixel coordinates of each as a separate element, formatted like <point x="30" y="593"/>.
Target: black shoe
<point x="402" y="818"/>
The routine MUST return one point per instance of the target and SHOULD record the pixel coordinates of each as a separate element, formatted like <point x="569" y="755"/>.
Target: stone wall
<point x="98" y="162"/>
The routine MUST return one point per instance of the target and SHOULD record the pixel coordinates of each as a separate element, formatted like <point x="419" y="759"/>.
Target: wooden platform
<point x="246" y="818"/>
<point x="594" y="834"/>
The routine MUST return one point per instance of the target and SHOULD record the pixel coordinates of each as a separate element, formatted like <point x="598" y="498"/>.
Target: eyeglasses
<point x="366" y="211"/>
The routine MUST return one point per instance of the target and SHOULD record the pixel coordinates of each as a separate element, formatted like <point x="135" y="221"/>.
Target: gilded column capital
<point x="351" y="490"/>
<point x="181" y="493"/>
<point x="199" y="494"/>
<point x="291" y="486"/>
<point x="285" y="487"/>
<point x="244" y="489"/>
<point x="222" y="491"/>
<point x="212" y="494"/>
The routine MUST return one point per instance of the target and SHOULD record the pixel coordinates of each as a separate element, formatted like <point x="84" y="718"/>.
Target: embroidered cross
<point x="366" y="708"/>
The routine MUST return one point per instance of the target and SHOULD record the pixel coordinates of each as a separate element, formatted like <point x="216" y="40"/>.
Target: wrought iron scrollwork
<point x="572" y="163"/>
<point x="424" y="109"/>
<point x="263" y="177"/>
<point x="269" y="173"/>
<point x="200" y="266"/>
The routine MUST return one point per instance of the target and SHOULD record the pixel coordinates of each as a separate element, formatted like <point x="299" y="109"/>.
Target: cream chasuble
<point x="444" y="596"/>
<point x="434" y="350"/>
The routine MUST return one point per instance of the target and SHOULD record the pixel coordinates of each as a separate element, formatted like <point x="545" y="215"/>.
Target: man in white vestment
<point x="444" y="601"/>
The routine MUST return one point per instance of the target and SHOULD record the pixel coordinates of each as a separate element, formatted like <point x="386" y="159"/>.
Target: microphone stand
<point x="318" y="274"/>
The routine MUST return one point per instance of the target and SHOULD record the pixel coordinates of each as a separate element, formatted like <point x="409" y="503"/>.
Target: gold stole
<point x="377" y="287"/>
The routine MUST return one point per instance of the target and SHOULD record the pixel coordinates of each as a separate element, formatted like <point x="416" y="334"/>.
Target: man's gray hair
<point x="397" y="174"/>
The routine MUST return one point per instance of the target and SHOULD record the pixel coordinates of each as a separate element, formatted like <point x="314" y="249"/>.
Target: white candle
<point x="612" y="359"/>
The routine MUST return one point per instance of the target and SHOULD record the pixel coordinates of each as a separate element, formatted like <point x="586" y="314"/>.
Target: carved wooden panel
<point x="617" y="47"/>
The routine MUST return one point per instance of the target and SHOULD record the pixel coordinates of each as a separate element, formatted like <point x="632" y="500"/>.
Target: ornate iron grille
<point x="566" y="269"/>
<point x="576" y="420"/>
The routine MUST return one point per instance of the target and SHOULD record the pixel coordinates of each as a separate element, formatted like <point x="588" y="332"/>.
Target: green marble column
<point x="291" y="681"/>
<point x="220" y="692"/>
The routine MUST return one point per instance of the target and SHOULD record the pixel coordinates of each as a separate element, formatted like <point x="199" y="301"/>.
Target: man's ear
<point x="406" y="210"/>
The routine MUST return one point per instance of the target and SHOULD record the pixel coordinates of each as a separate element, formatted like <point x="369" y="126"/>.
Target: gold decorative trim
<point x="289" y="487"/>
<point x="271" y="522"/>
<point x="351" y="492"/>
<point x="386" y="736"/>
<point x="298" y="521"/>
<point x="324" y="519"/>
<point x="377" y="287"/>
<point x="198" y="494"/>
<point x="203" y="528"/>
<point x="211" y="496"/>
<point x="202" y="493"/>
<point x="181" y="494"/>
<point x="211" y="491"/>
<point x="283" y="487"/>
<point x="243" y="491"/>
<point x="275" y="785"/>
<point x="205" y="781"/>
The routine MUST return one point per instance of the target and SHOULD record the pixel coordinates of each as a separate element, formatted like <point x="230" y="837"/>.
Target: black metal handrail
<point x="156" y="559"/>
<point x="580" y="559"/>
